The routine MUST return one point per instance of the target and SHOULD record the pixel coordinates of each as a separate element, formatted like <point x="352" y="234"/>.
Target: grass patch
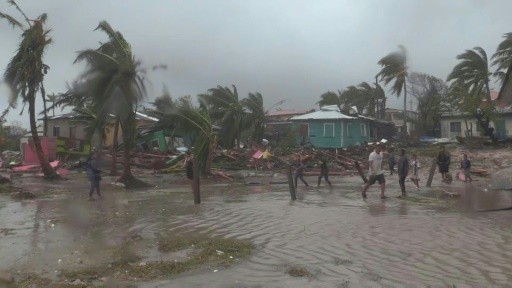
<point x="296" y="271"/>
<point x="33" y="281"/>
<point x="126" y="264"/>
<point x="7" y="231"/>
<point x="7" y="188"/>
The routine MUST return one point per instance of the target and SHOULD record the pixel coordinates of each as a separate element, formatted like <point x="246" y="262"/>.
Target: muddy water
<point x="342" y="240"/>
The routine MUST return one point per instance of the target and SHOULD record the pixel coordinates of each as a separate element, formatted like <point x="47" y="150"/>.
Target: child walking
<point x="415" y="166"/>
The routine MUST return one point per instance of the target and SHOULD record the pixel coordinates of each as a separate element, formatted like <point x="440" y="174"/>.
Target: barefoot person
<point x="94" y="174"/>
<point x="376" y="173"/>
<point x="403" y="171"/>
<point x="324" y="172"/>
<point x="299" y="172"/>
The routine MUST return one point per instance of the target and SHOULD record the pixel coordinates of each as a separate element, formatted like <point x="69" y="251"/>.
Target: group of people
<point x="405" y="168"/>
<point x="299" y="172"/>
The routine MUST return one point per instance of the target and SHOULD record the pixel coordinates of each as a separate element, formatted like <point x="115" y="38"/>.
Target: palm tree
<point x="25" y="74"/>
<point x="372" y="96"/>
<point x="198" y="122"/>
<point x="52" y="98"/>
<point x="380" y="99"/>
<point x="355" y="96"/>
<point x="473" y="75"/>
<point x="226" y="108"/>
<point x="502" y="59"/>
<point x="114" y="82"/>
<point x="330" y="98"/>
<point x="255" y="117"/>
<point x="164" y="103"/>
<point x="394" y="69"/>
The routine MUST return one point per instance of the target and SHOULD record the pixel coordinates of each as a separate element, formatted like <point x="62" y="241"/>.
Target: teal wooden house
<point x="329" y="128"/>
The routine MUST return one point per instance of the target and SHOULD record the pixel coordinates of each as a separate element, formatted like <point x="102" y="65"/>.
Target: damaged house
<point x="330" y="128"/>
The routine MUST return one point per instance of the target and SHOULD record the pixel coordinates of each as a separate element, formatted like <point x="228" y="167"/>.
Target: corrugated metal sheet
<point x="325" y="113"/>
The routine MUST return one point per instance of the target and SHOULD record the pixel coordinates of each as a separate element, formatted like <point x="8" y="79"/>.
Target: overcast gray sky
<point x="294" y="50"/>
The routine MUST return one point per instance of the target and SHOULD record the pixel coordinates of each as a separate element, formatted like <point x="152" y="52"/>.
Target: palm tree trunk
<point x="43" y="161"/>
<point x="128" y="139"/>
<point x="404" y="128"/>
<point x="113" y="166"/>
<point x="127" y="172"/>
<point x="45" y="118"/>
<point x="489" y="131"/>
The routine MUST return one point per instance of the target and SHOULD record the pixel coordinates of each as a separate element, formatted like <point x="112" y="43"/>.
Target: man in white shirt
<point x="376" y="173"/>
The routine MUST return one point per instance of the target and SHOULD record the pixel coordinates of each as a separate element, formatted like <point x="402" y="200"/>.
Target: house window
<point x="56" y="131"/>
<point x="455" y="127"/>
<point x="349" y="129"/>
<point x="155" y="144"/>
<point x="145" y="146"/>
<point x="72" y="132"/>
<point x="328" y="129"/>
<point x="363" y="130"/>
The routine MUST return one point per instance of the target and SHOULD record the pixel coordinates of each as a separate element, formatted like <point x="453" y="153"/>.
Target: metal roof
<point x="326" y="112"/>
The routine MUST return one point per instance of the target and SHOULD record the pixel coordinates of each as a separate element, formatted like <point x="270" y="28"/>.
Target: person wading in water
<point x="403" y="171"/>
<point x="376" y="173"/>
<point x="324" y="172"/>
<point x="94" y="174"/>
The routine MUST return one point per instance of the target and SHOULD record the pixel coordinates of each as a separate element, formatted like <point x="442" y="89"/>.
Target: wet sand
<point x="428" y="240"/>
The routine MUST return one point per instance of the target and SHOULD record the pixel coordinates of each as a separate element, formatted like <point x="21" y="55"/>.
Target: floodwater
<point x="341" y="239"/>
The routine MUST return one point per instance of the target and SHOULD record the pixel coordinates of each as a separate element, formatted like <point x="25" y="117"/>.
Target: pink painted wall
<point x="49" y="149"/>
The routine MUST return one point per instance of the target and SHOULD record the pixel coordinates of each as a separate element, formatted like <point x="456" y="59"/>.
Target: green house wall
<point x="155" y="136"/>
<point x="339" y="133"/>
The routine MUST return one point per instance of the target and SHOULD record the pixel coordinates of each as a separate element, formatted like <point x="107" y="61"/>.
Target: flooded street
<point x="341" y="239"/>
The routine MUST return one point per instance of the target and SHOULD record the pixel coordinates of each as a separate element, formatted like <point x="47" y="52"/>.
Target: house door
<point x="304" y="133"/>
<point x="501" y="131"/>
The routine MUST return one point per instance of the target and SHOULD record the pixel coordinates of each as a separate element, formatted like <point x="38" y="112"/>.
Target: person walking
<point x="299" y="172"/>
<point x="415" y="166"/>
<point x="443" y="162"/>
<point x="402" y="171"/>
<point x="324" y="172"/>
<point x="465" y="165"/>
<point x="376" y="173"/>
<point x="391" y="160"/>
<point x="94" y="174"/>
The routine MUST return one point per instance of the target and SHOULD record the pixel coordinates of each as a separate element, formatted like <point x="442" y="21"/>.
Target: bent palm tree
<point x="473" y="75"/>
<point x="25" y="74"/>
<point x="330" y="98"/>
<point x="255" y="116"/>
<point x="113" y="81"/>
<point x="195" y="120"/>
<point x="502" y="59"/>
<point x="394" y="69"/>
<point x="226" y="108"/>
